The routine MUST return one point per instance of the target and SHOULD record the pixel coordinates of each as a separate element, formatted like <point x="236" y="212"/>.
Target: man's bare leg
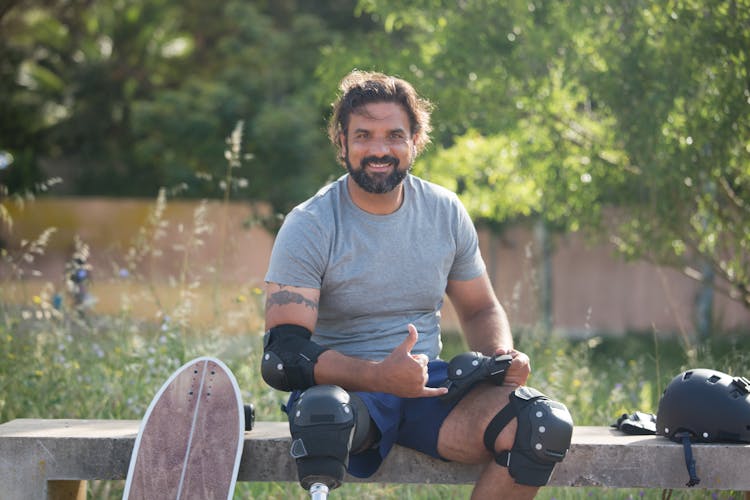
<point x="495" y="482"/>
<point x="461" y="439"/>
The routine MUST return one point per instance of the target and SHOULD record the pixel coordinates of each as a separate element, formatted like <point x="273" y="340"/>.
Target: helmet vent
<point x="687" y="375"/>
<point x="742" y="384"/>
<point x="714" y="378"/>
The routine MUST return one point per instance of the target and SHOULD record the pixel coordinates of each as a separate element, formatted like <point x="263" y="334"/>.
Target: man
<point x="353" y="297"/>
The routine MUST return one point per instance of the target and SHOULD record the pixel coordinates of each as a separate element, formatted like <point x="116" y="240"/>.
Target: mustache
<point x="379" y="159"/>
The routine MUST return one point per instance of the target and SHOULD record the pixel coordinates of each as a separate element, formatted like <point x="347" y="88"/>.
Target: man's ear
<point x="342" y="143"/>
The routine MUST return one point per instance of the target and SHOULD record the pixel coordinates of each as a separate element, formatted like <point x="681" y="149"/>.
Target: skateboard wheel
<point x="249" y="417"/>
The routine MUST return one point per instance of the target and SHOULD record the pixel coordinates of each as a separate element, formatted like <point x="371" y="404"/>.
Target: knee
<point x="541" y="438"/>
<point x="326" y="422"/>
<point x="321" y="423"/>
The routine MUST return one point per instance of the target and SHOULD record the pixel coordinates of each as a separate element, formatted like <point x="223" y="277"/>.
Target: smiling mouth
<point x="378" y="167"/>
<point x="379" y="164"/>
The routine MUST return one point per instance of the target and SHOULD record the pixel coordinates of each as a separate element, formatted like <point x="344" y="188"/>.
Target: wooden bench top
<point x="39" y="450"/>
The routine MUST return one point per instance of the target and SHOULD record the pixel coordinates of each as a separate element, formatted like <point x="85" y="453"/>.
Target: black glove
<point x="638" y="423"/>
<point x="470" y="368"/>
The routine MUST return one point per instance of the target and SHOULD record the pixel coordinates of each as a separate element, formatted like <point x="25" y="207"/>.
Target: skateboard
<point x="190" y="440"/>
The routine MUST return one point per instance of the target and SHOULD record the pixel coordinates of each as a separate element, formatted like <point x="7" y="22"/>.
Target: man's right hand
<point x="405" y="374"/>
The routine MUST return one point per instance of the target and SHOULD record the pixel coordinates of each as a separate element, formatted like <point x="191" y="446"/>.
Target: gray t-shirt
<point x="377" y="273"/>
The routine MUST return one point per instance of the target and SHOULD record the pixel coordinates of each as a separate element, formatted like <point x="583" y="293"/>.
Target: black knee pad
<point x="545" y="429"/>
<point x="322" y="423"/>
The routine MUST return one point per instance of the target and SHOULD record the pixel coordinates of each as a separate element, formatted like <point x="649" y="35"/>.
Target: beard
<point x="377" y="183"/>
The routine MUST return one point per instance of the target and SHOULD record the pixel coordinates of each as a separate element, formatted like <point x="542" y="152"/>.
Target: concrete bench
<point x="42" y="459"/>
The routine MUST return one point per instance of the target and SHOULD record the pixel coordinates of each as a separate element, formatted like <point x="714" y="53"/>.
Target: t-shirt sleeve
<point x="468" y="263"/>
<point x="297" y="258"/>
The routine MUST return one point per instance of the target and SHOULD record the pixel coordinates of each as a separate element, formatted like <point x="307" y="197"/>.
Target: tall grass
<point x="57" y="363"/>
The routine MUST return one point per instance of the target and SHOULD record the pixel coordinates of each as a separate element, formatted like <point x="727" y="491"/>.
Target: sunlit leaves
<point x="562" y="109"/>
<point x="483" y="170"/>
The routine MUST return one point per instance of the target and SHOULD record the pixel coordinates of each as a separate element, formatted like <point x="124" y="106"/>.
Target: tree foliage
<point x="566" y="109"/>
<point x="122" y="97"/>
<point x="562" y="110"/>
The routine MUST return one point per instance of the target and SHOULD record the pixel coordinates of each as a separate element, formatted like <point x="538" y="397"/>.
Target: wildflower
<point x="97" y="351"/>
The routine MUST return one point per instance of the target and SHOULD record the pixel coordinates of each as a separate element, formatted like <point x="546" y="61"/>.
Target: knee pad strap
<point x="543" y="436"/>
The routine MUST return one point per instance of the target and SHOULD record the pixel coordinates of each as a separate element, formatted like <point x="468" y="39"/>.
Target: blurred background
<point x="149" y="150"/>
<point x="603" y="149"/>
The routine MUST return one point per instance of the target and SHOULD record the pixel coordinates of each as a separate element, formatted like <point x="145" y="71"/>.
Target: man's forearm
<point x="350" y="373"/>
<point x="401" y="373"/>
<point x="488" y="330"/>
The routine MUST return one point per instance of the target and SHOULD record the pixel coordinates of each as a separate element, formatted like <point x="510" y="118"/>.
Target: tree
<point x="130" y="96"/>
<point x="561" y="110"/>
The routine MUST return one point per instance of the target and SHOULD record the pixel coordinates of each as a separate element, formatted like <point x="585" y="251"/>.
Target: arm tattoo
<point x="284" y="297"/>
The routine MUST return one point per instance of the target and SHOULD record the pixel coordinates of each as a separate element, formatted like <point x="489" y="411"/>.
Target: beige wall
<point x="593" y="291"/>
<point x="111" y="227"/>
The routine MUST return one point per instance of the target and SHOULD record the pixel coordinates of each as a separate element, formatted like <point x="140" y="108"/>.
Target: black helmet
<point x="707" y="404"/>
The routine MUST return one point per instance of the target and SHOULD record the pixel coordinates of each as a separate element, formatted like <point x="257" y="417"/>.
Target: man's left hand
<point x="520" y="367"/>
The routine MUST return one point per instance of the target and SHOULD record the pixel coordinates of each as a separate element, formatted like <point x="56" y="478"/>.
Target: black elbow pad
<point x="289" y="357"/>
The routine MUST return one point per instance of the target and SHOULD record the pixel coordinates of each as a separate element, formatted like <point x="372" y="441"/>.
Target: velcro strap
<point x="503" y="458"/>
<point x="497" y="424"/>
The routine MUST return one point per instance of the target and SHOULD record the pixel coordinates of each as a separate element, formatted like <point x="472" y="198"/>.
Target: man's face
<point x="378" y="149"/>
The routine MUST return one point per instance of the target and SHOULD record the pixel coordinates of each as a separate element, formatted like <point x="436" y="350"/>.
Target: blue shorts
<point x="411" y="422"/>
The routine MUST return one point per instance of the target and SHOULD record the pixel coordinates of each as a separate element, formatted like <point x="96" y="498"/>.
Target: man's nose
<point x="379" y="146"/>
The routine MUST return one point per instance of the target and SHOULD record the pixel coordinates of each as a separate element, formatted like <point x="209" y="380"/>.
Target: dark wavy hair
<point x="360" y="88"/>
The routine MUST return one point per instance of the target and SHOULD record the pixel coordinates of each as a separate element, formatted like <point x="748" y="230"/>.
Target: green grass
<point x="110" y="367"/>
<point x="55" y="364"/>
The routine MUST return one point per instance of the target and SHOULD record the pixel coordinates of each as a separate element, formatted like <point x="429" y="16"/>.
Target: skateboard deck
<point x="190" y="440"/>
